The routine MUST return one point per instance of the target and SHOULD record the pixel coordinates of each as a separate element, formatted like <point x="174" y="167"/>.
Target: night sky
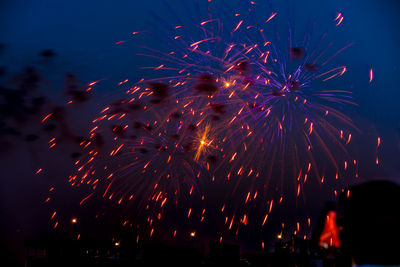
<point x="83" y="36"/>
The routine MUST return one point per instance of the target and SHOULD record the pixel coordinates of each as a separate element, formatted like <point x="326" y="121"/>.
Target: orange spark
<point x="45" y="118"/>
<point x="83" y="200"/>
<point x="201" y="41"/>
<point x="371" y="75"/>
<point x="238" y="25"/>
<point x="271" y="17"/>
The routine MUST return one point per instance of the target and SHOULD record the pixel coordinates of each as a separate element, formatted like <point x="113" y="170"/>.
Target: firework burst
<point x="227" y="99"/>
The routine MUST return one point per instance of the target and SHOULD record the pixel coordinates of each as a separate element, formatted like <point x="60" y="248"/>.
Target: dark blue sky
<point x="83" y="33"/>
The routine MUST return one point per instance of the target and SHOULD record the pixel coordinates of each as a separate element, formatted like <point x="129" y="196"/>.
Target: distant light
<point x="193" y="234"/>
<point x="117" y="244"/>
<point x="74" y="220"/>
<point x="227" y="84"/>
<point x="279" y="236"/>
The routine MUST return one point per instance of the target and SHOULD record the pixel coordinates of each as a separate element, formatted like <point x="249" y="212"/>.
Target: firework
<point x="227" y="100"/>
<point x="266" y="98"/>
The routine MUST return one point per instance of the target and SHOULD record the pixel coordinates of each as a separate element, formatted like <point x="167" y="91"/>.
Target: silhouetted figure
<point x="370" y="219"/>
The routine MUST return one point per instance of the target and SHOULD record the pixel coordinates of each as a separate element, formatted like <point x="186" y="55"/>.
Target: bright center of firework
<point x="227" y="81"/>
<point x="200" y="149"/>
<point x="204" y="142"/>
